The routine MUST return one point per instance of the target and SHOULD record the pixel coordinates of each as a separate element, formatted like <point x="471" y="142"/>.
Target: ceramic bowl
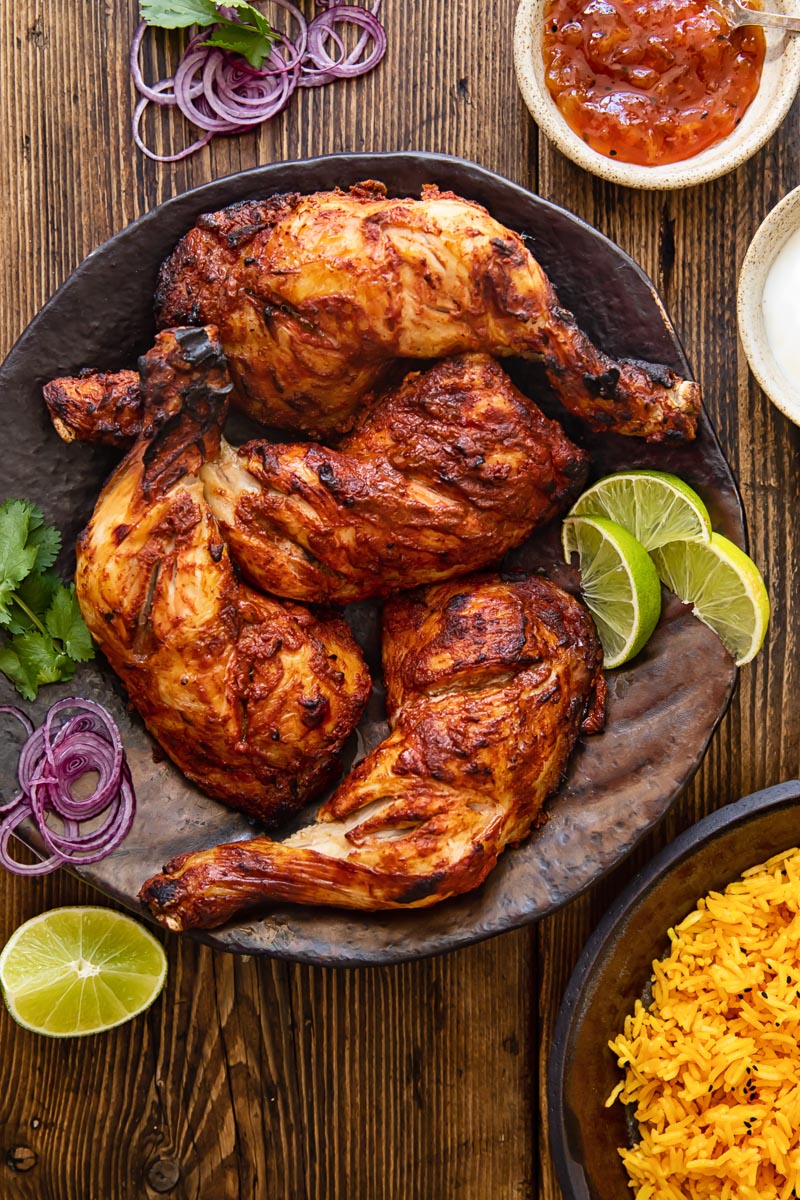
<point x="616" y="965"/>
<point x="779" y="83"/>
<point x="779" y="225"/>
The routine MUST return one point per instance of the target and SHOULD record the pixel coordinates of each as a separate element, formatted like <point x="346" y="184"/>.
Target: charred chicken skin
<point x="314" y="295"/>
<point x="97" y="406"/>
<point x="441" y="476"/>
<point x="489" y="683"/>
<point x="251" y="698"/>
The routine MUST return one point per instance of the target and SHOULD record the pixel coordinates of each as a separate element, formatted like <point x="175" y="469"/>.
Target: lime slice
<point x="75" y="971"/>
<point x="725" y="588"/>
<point x="655" y="507"/>
<point x="619" y="584"/>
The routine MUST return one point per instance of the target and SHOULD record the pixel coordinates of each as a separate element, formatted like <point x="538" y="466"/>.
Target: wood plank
<point x="692" y="243"/>
<point x="256" y="1079"/>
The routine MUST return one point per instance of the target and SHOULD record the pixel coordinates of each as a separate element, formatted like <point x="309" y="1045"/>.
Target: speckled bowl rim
<point x="570" y="1171"/>
<point x="770" y="237"/>
<point x="710" y="164"/>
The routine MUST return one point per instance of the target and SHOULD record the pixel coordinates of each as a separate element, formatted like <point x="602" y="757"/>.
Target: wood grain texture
<point x="693" y="243"/>
<point x="265" y="1081"/>
<point x="251" y="1079"/>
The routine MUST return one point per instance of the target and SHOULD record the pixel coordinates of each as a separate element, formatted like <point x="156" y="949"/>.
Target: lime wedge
<point x="619" y="584"/>
<point x="725" y="588"/>
<point x="655" y="507"/>
<point x="75" y="971"/>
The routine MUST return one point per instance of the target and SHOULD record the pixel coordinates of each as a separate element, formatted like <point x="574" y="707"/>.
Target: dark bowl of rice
<point x="707" y="1047"/>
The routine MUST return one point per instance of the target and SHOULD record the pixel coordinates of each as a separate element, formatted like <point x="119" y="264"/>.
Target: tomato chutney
<point x="649" y="81"/>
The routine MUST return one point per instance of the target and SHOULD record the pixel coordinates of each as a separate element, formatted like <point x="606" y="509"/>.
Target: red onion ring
<point x="347" y="66"/>
<point x="62" y="750"/>
<point x="10" y="822"/>
<point x="220" y="93"/>
<point x="12" y="711"/>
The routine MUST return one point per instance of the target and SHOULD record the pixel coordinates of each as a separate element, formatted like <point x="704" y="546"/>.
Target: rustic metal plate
<point x="662" y="710"/>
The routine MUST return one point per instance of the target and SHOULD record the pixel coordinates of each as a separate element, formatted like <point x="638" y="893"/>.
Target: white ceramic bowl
<point x="778" y="226"/>
<point x="779" y="83"/>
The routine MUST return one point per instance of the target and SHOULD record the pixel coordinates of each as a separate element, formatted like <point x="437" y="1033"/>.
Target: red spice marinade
<point x="649" y="81"/>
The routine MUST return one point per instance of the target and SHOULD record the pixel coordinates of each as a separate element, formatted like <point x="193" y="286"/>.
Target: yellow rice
<point x="713" y="1065"/>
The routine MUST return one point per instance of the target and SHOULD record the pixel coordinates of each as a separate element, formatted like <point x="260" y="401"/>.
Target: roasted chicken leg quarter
<point x="442" y="476"/>
<point x="489" y="682"/>
<point x="251" y="698"/>
<point x="315" y="295"/>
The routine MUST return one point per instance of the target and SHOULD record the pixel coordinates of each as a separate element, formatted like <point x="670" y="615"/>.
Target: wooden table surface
<point x="261" y="1080"/>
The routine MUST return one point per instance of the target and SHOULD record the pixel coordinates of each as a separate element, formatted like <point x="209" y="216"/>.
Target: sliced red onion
<point x="347" y="66"/>
<point x="220" y="93"/>
<point x="190" y="149"/>
<point x="10" y="823"/>
<point x="57" y="754"/>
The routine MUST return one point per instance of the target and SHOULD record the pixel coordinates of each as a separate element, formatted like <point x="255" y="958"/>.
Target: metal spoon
<point x="737" y="15"/>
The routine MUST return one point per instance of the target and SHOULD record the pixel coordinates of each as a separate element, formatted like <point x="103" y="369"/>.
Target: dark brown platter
<point x="663" y="709"/>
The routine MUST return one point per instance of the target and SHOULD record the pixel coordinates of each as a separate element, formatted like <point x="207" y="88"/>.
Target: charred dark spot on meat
<point x="327" y="477"/>
<point x="161" y="892"/>
<point x="120" y="533"/>
<point x="272" y="311"/>
<point x="197" y="348"/>
<point x="603" y="385"/>
<point x="420" y="889"/>
<point x="216" y="550"/>
<point x="662" y="375"/>
<point x="316" y="710"/>
<point x="246" y="233"/>
<point x="509" y="250"/>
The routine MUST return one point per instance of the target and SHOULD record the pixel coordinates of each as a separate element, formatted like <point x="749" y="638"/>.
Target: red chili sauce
<point x="649" y="81"/>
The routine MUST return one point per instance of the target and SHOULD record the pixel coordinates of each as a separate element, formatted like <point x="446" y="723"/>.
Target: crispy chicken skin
<point x="489" y="683"/>
<point x="251" y="698"/>
<point x="96" y="406"/>
<point x="440" y="477"/>
<point x="314" y="295"/>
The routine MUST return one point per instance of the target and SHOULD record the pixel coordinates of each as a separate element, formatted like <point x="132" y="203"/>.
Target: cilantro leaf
<point x="20" y="676"/>
<point x="47" y="541"/>
<point x="35" y="515"/>
<point x="40" y="658"/>
<point x="32" y="599"/>
<point x="31" y="660"/>
<point x="64" y="622"/>
<point x="249" y="34"/>
<point x="252" y="44"/>
<point x="16" y="556"/>
<point x="177" y="14"/>
<point x="42" y="633"/>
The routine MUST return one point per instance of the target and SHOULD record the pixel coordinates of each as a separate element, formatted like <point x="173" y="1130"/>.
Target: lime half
<point x="76" y="971"/>
<point x="725" y="588"/>
<point x="655" y="507"/>
<point x="619" y="584"/>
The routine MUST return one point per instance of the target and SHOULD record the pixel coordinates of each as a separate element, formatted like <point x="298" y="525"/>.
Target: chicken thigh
<point x="251" y="698"/>
<point x="441" y="476"/>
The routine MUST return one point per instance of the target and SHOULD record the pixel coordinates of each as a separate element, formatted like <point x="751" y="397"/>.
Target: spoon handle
<point x="772" y="20"/>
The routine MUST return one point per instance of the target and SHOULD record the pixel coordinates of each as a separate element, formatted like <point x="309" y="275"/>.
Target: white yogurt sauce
<point x="781" y="308"/>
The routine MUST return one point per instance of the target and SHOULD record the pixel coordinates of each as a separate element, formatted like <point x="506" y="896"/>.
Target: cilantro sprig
<point x="43" y="633"/>
<point x="250" y="34"/>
